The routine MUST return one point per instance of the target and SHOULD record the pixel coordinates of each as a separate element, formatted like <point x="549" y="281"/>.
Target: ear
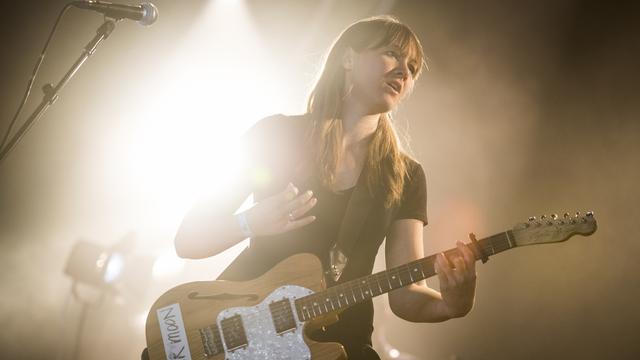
<point x="348" y="58"/>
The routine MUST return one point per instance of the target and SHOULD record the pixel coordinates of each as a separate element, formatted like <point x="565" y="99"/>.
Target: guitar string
<point x="201" y="348"/>
<point x="322" y="308"/>
<point x="492" y="243"/>
<point x="353" y="285"/>
<point x="357" y="284"/>
<point x="360" y="286"/>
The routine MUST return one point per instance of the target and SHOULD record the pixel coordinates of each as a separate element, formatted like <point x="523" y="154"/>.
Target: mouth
<point x="394" y="86"/>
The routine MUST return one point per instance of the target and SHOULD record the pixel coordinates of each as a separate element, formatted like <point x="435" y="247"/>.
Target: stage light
<point x="93" y="264"/>
<point x="182" y="143"/>
<point x="112" y="268"/>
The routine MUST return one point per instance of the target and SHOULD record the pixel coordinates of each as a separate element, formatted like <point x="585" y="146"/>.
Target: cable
<point x="33" y="76"/>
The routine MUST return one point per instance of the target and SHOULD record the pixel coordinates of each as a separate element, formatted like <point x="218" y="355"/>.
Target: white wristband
<point x="244" y="224"/>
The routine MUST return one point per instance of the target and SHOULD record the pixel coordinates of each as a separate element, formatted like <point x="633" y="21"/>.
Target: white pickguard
<point x="262" y="339"/>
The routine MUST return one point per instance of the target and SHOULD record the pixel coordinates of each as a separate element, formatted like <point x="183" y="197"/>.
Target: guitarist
<point x="336" y="170"/>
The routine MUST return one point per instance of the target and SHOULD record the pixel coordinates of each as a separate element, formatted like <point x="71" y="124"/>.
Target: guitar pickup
<point x="282" y="316"/>
<point x="211" y="341"/>
<point x="233" y="332"/>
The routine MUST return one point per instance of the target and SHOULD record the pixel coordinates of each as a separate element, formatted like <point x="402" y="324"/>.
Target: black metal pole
<point x="51" y="93"/>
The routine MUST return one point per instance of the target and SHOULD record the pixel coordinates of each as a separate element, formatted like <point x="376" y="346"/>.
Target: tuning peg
<point x="532" y="218"/>
<point x="566" y="215"/>
<point x="554" y="216"/>
<point x="590" y="214"/>
<point x="543" y="217"/>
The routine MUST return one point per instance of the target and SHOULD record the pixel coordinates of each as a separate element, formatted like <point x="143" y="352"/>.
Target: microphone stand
<point x="51" y="93"/>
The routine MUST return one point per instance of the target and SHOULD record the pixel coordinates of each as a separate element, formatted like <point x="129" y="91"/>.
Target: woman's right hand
<point x="281" y="212"/>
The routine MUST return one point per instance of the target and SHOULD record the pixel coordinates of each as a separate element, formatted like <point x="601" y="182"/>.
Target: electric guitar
<point x="269" y="317"/>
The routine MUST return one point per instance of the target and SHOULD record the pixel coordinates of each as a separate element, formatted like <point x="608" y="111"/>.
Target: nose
<point x="403" y="70"/>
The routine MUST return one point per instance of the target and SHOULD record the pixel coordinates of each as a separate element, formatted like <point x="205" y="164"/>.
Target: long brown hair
<point x="386" y="163"/>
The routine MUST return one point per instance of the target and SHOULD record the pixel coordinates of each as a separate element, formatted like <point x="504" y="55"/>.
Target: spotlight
<point x="113" y="269"/>
<point x="94" y="265"/>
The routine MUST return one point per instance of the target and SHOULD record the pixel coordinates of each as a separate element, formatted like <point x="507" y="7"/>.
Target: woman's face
<point x="380" y="78"/>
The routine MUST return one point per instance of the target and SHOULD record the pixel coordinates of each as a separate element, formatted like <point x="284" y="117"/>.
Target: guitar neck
<point x="350" y="293"/>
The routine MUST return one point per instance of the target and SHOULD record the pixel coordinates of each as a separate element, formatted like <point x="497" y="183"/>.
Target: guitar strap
<point x="358" y="210"/>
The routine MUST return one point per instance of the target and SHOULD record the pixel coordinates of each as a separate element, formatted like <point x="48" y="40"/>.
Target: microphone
<point x="145" y="14"/>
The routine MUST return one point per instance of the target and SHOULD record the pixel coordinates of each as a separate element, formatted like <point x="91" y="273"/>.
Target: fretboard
<point x="358" y="290"/>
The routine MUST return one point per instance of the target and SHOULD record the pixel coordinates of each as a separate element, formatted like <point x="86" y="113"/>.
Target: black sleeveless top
<point x="274" y="146"/>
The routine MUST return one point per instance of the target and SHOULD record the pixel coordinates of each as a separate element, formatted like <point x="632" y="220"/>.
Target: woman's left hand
<point x="457" y="280"/>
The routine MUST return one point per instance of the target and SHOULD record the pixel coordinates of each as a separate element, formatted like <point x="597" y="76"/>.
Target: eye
<point x="393" y="54"/>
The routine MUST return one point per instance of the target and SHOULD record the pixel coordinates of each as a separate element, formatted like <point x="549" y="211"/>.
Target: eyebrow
<point x="395" y="47"/>
<point x="412" y="59"/>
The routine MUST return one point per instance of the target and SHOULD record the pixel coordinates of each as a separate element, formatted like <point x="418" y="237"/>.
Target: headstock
<point x="550" y="229"/>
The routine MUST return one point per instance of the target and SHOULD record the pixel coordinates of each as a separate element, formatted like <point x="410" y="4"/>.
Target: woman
<point x="342" y="172"/>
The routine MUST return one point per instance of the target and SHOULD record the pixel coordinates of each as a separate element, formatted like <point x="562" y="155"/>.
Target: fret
<point x="361" y="291"/>
<point x="386" y="276"/>
<point x="422" y="271"/>
<point x="410" y="276"/>
<point x="428" y="264"/>
<point x="370" y="293"/>
<point x="415" y="271"/>
<point x="375" y="290"/>
<point x="493" y="250"/>
<point x="308" y="313"/>
<point x="510" y="242"/>
<point x="405" y="274"/>
<point x="349" y="293"/>
<point x="379" y="286"/>
<point x="300" y="309"/>
<point x="346" y="298"/>
<point x="396" y="277"/>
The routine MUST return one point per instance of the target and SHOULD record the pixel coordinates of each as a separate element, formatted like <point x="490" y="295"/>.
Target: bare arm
<point x="417" y="302"/>
<point x="211" y="227"/>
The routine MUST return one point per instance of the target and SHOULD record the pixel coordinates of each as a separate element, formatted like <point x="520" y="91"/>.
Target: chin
<point x="386" y="105"/>
<point x="382" y="105"/>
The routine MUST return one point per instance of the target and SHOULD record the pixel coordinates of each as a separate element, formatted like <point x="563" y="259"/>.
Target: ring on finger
<point x="291" y="218"/>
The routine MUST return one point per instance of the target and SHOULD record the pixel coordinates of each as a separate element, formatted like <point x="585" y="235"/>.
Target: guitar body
<point x="187" y="321"/>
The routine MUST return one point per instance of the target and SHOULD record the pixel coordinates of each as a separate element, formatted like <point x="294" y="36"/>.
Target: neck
<point x="357" y="124"/>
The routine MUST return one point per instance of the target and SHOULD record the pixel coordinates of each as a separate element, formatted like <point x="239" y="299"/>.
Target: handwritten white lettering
<point x="174" y="336"/>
